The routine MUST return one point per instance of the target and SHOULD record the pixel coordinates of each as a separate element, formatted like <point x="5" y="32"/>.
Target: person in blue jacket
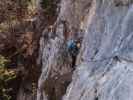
<point x="73" y="47"/>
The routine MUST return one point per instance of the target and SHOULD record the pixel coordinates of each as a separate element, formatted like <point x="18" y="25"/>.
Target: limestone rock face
<point x="56" y="67"/>
<point x="104" y="65"/>
<point x="105" y="62"/>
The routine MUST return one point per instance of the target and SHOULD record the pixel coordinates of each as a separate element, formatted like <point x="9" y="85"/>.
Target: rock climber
<point x="73" y="47"/>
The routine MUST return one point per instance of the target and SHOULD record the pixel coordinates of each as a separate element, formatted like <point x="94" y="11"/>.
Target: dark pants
<point x="74" y="52"/>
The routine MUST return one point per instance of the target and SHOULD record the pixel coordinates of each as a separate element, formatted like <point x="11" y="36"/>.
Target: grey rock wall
<point x="56" y="66"/>
<point x="104" y="64"/>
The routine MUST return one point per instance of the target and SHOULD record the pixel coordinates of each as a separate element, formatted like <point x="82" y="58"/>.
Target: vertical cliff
<point x="104" y="69"/>
<point x="104" y="64"/>
<point x="37" y="43"/>
<point x="57" y="63"/>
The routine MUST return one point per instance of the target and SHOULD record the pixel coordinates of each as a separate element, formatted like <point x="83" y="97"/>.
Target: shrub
<point x="5" y="76"/>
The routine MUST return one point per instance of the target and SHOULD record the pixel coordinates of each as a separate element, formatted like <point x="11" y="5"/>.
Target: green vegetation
<point x="5" y="76"/>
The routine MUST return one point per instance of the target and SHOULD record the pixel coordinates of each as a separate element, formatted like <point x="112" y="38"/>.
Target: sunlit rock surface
<point x="104" y="65"/>
<point x="104" y="69"/>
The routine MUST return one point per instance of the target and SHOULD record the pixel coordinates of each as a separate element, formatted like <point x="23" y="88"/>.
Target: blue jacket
<point x="72" y="47"/>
